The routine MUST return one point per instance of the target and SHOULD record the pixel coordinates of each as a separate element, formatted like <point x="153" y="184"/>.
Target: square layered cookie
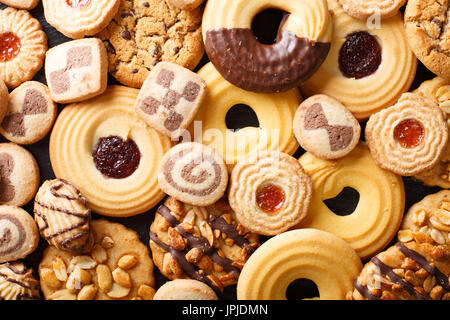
<point x="170" y="98"/>
<point x="77" y="70"/>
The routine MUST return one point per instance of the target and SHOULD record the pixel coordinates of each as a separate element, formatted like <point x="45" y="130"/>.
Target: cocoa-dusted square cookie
<point x="77" y="70"/>
<point x="170" y="98"/>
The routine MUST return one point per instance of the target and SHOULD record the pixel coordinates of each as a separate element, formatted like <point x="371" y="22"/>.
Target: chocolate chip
<point x="125" y="15"/>
<point x="134" y="71"/>
<point x="110" y="48"/>
<point x="176" y="50"/>
<point x="146" y="4"/>
<point x="126" y="35"/>
<point x="156" y="50"/>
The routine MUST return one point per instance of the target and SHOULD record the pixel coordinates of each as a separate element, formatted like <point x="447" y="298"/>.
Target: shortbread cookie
<point x="410" y="271"/>
<point x="19" y="175"/>
<point x="30" y="114"/>
<point x="17" y="282"/>
<point x="369" y="65"/>
<point x="117" y="152"/>
<point x="170" y="98"/>
<point x="22" y="46"/>
<point x="378" y="9"/>
<point x="79" y="18"/>
<point x="4" y="99"/>
<point x="77" y="70"/>
<point x="186" y="4"/>
<point x="63" y="218"/>
<point x="21" y="4"/>
<point x="193" y="173"/>
<point x="428" y="31"/>
<point x="119" y="267"/>
<point x="270" y="192"/>
<point x="409" y="137"/>
<point x="185" y="289"/>
<point x="325" y="127"/>
<point x="20" y="235"/>
<point x="144" y="33"/>
<point x="207" y="244"/>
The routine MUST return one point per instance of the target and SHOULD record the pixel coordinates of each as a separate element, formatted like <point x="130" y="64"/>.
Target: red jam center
<point x="78" y="4"/>
<point x="9" y="46"/>
<point x="115" y="157"/>
<point x="409" y="133"/>
<point x="270" y="198"/>
<point x="360" y="55"/>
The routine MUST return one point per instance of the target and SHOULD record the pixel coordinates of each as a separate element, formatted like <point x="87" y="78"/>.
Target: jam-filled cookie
<point x="325" y="127"/>
<point x="185" y="289"/>
<point x="207" y="244"/>
<point x="270" y="192"/>
<point x="378" y="214"/>
<point x="410" y="271"/>
<point x="22" y="46"/>
<point x="364" y="9"/>
<point x="21" y="4"/>
<point x="409" y="137"/>
<point x="79" y="18"/>
<point x="368" y="68"/>
<point x="118" y="267"/>
<point x="17" y="282"/>
<point x="30" y="114"/>
<point x="302" y="44"/>
<point x="116" y="151"/>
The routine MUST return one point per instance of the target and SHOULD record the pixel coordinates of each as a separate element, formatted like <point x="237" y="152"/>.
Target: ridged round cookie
<point x="4" y="99"/>
<point x="19" y="175"/>
<point x="21" y="4"/>
<point x="409" y="137"/>
<point x="79" y="18"/>
<point x="378" y="215"/>
<point x="410" y="271"/>
<point x="23" y="46"/>
<point x="270" y="192"/>
<point x="30" y="114"/>
<point x="369" y="85"/>
<point x="364" y="9"/>
<point x="127" y="153"/>
<point x="17" y="282"/>
<point x="311" y="254"/>
<point x="20" y="235"/>
<point x="185" y="289"/>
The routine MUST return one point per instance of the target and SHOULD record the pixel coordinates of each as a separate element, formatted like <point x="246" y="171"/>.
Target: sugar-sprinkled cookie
<point x="17" y="282"/>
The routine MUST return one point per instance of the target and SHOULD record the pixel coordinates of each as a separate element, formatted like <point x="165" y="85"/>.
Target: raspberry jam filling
<point x="9" y="46"/>
<point x="409" y="133"/>
<point x="270" y="198"/>
<point x="360" y="55"/>
<point x="115" y="157"/>
<point x="78" y="4"/>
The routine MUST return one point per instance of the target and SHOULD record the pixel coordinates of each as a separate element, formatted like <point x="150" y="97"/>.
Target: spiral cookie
<point x="193" y="173"/>
<point x="19" y="233"/>
<point x="368" y="68"/>
<point x="308" y="253"/>
<point x="409" y="137"/>
<point x="202" y="243"/>
<point x="302" y="44"/>
<point x="275" y="114"/>
<point x="270" y="192"/>
<point x="116" y="151"/>
<point x="78" y="18"/>
<point x="185" y="289"/>
<point x="62" y="216"/>
<point x="379" y="212"/>
<point x="17" y="282"/>
<point x="410" y="271"/>
<point x="364" y="9"/>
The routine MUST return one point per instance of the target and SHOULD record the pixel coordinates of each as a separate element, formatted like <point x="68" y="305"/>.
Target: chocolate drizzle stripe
<point x="84" y="215"/>
<point x="15" y="281"/>
<point x="364" y="291"/>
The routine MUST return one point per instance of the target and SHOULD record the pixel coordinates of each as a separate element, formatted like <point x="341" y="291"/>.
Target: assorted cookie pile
<point x="229" y="208"/>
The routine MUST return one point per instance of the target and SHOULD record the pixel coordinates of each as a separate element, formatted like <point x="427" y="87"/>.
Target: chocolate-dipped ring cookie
<point x="311" y="254"/>
<point x="409" y="137"/>
<point x="193" y="173"/>
<point x="378" y="215"/>
<point x="270" y="192"/>
<point x="325" y="127"/>
<point x="368" y="68"/>
<point x="302" y="45"/>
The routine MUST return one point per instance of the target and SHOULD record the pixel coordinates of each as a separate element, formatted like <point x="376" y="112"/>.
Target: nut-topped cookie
<point x="17" y="282"/>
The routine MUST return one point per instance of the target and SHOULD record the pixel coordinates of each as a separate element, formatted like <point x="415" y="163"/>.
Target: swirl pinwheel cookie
<point x="20" y="235"/>
<point x="207" y="244"/>
<point x="378" y="214"/>
<point x="368" y="68"/>
<point x="17" y="282"/>
<point x="79" y="18"/>
<point x="30" y="114"/>
<point x="22" y="46"/>
<point x="409" y="137"/>
<point x="270" y="192"/>
<point x="193" y="173"/>
<point x="364" y="9"/>
<point x="116" y="151"/>
<point x="302" y="44"/>
<point x="311" y="254"/>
